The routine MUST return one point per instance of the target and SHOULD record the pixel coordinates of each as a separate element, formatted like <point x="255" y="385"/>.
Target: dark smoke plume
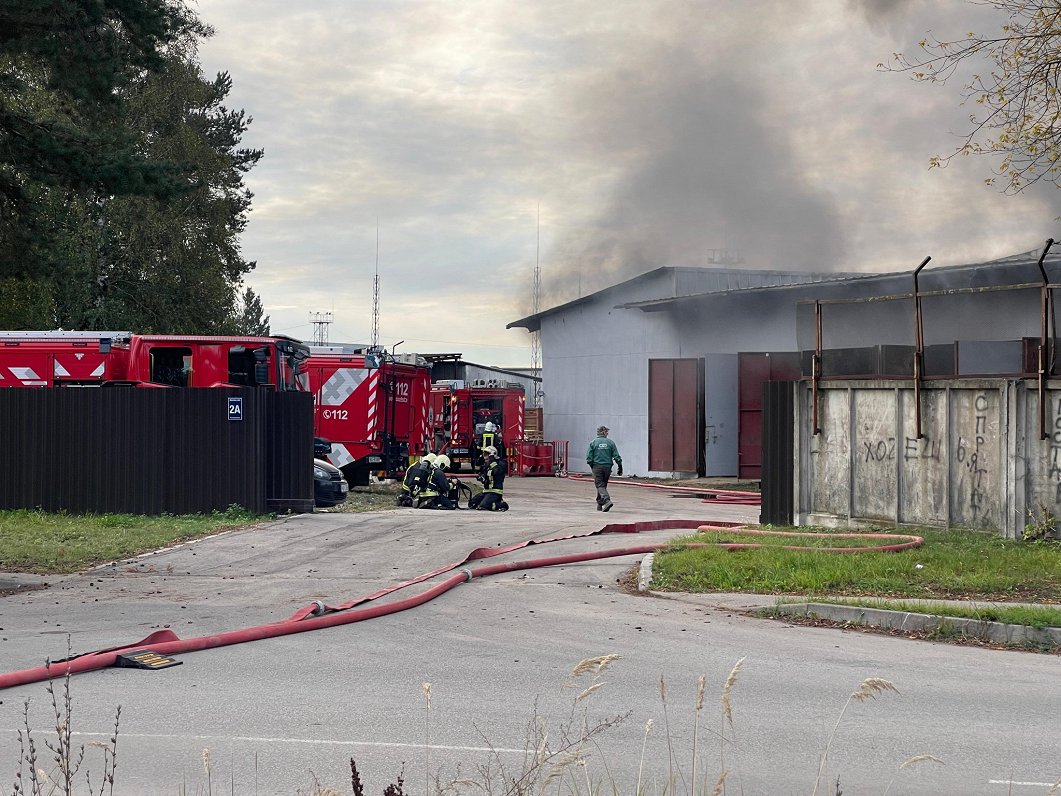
<point x="703" y="166"/>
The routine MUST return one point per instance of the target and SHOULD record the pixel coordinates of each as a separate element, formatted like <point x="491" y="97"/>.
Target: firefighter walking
<point x="602" y="452"/>
<point x="492" y="477"/>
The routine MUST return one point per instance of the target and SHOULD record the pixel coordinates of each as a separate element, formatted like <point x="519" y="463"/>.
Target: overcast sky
<point x="642" y="133"/>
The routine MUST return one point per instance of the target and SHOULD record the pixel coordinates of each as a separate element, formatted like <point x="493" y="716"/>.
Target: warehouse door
<point x="755" y="370"/>
<point x="675" y="415"/>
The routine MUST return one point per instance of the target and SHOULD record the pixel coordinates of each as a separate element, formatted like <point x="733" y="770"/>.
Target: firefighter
<point x="490" y="438"/>
<point x="492" y="477"/>
<point x="435" y="494"/>
<point x="416" y="476"/>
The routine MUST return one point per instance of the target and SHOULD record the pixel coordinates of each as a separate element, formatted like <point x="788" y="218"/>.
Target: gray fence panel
<point x="778" y="470"/>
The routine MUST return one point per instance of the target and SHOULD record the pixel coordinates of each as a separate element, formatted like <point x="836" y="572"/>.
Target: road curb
<point x="996" y="632"/>
<point x="644" y="573"/>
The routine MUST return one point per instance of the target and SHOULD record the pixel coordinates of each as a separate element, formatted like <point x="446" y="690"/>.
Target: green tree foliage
<point x="170" y="265"/>
<point x="130" y="202"/>
<point x="249" y="317"/>
<point x="61" y="124"/>
<point x="25" y="304"/>
<point x="1017" y="120"/>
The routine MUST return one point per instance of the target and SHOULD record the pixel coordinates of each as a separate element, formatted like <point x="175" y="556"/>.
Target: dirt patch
<point x="6" y="591"/>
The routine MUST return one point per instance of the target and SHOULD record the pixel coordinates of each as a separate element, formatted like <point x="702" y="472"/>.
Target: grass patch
<point x="1037" y="616"/>
<point x="43" y="543"/>
<point x="950" y="565"/>
<point x="374" y="497"/>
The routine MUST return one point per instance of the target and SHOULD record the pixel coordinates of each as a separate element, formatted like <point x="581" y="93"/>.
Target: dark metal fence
<point x="155" y="451"/>
<point x="778" y="469"/>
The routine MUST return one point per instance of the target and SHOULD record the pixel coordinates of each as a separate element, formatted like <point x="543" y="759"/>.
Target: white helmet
<point x="490" y="428"/>
<point x="441" y="461"/>
<point x="490" y="450"/>
<point x="428" y="457"/>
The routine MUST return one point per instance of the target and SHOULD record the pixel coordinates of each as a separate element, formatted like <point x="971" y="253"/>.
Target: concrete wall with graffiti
<point x="984" y="458"/>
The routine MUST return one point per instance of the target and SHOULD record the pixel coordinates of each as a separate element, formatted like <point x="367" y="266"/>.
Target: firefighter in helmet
<point x="489" y="438"/>
<point x="492" y="477"/>
<point x="435" y="494"/>
<point x="416" y="475"/>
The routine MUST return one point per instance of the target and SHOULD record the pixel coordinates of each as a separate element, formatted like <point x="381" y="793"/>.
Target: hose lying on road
<point x="732" y="496"/>
<point x="318" y="615"/>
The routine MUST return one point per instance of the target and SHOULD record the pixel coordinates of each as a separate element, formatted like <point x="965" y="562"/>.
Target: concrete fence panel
<point x="978" y="462"/>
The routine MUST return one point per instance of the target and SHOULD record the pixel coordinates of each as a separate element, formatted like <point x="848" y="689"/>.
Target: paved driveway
<point x="276" y="713"/>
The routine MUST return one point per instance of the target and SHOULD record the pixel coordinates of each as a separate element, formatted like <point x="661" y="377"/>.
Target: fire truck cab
<point x="67" y="359"/>
<point x="371" y="406"/>
<point x="213" y="361"/>
<point x="461" y="411"/>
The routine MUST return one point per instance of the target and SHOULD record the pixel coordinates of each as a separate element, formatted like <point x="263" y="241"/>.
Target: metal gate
<point x="675" y="415"/>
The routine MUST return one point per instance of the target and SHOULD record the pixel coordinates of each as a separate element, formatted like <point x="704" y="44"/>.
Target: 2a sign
<point x="235" y="408"/>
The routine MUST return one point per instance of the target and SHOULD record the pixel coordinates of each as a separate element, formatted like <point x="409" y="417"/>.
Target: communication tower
<point x="536" y="340"/>
<point x="320" y="321"/>
<point x="375" y="297"/>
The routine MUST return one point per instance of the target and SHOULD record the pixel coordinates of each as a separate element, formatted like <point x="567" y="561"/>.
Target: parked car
<point x="329" y="486"/>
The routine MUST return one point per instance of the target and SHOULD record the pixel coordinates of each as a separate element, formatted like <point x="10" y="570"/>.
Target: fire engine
<point x="460" y="413"/>
<point x="85" y="359"/>
<point x="372" y="407"/>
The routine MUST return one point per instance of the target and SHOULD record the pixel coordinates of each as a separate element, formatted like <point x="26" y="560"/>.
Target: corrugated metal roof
<point x="1011" y="270"/>
<point x="691" y="283"/>
<point x="687" y="281"/>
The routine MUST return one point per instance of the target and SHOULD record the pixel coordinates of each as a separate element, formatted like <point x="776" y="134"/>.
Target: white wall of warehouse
<point x="595" y="359"/>
<point x="595" y="356"/>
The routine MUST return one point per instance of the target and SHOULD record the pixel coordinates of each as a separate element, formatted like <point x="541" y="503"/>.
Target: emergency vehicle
<point x="86" y="359"/>
<point x="461" y="411"/>
<point x="372" y="407"/>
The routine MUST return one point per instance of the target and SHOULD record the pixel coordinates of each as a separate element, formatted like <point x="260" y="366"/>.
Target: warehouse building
<point x="674" y="360"/>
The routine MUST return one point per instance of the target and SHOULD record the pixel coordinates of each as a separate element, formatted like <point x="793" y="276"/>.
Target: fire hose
<point x="317" y="615"/>
<point x="730" y="496"/>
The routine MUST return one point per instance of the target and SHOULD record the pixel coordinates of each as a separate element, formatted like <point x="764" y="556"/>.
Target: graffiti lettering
<point x="978" y="472"/>
<point x="881" y="450"/>
<point x="1055" y="451"/>
<point x="970" y="454"/>
<point x="924" y="448"/>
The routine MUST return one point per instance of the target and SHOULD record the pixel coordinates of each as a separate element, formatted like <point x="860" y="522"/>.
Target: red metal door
<point x="674" y="410"/>
<point x="754" y="371"/>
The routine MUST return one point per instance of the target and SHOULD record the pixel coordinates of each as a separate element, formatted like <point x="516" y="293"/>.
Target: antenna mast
<point x="375" y="296"/>
<point x="536" y="340"/>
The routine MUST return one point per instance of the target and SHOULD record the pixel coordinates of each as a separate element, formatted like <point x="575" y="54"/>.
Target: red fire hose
<point x="318" y="615"/>
<point x="731" y="496"/>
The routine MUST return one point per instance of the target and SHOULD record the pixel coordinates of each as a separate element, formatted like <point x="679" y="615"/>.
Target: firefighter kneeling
<point x="437" y="491"/>
<point x="492" y="477"/>
<point x="416" y="476"/>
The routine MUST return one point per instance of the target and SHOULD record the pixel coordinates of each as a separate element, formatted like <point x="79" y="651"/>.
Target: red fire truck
<point x="82" y="359"/>
<point x="372" y="407"/>
<point x="461" y="411"/>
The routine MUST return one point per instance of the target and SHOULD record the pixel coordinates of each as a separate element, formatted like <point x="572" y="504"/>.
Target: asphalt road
<point x="498" y="652"/>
